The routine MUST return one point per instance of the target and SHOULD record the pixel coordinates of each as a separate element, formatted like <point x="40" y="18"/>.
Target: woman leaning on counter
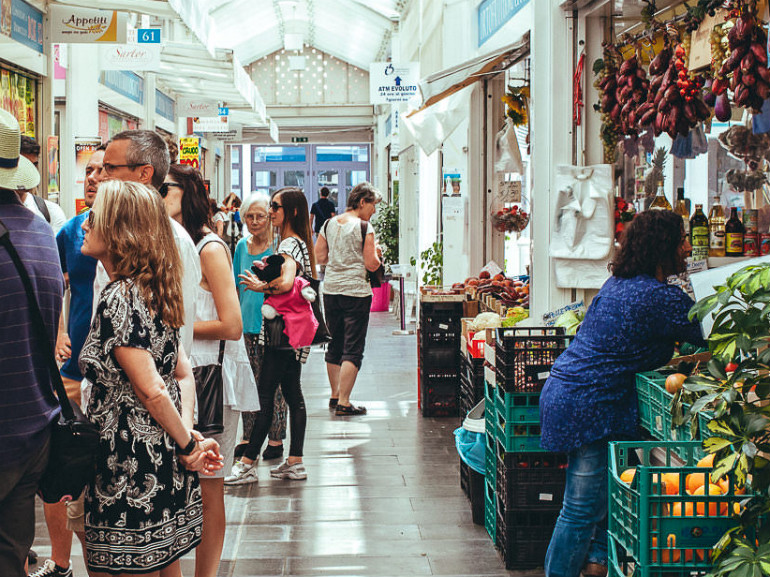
<point x="590" y="397"/>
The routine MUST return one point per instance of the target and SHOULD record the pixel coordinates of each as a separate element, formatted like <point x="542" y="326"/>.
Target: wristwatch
<point x="189" y="448"/>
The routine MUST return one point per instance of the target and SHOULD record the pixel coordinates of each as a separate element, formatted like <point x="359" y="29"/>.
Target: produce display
<point x="510" y="292"/>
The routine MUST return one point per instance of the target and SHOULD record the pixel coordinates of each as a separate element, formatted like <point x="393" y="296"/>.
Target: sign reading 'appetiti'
<point x="86" y="25"/>
<point x="389" y="83"/>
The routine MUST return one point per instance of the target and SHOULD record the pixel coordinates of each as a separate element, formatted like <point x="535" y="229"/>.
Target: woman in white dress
<point x="217" y="323"/>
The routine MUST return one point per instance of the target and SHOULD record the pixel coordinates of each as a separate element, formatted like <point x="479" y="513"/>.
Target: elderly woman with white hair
<point x="258" y="245"/>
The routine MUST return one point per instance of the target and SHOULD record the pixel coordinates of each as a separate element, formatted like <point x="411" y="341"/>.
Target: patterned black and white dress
<point x="143" y="510"/>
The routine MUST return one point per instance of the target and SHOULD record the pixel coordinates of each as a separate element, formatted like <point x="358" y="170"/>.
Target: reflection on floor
<point x="383" y="492"/>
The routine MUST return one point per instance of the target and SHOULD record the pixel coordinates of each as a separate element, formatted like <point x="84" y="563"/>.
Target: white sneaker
<point x="242" y="474"/>
<point x="295" y="472"/>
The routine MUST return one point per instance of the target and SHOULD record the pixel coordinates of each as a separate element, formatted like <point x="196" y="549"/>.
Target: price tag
<point x="508" y="190"/>
<point x="546" y="497"/>
<point x="148" y="36"/>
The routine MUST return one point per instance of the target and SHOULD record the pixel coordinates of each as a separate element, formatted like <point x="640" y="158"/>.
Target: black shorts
<point x="348" y="320"/>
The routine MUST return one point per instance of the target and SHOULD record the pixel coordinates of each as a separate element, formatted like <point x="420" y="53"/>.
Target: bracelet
<point x="189" y="448"/>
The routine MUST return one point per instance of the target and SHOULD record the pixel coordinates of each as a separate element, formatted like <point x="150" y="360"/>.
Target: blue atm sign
<point x="493" y="14"/>
<point x="148" y="36"/>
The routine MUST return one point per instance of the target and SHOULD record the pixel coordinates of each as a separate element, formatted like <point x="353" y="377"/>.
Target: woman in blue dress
<point x="590" y="397"/>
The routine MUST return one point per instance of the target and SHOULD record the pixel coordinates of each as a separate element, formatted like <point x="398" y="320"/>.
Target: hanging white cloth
<point x="584" y="222"/>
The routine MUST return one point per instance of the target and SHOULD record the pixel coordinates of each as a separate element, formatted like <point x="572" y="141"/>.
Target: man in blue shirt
<point x="29" y="405"/>
<point x="79" y="273"/>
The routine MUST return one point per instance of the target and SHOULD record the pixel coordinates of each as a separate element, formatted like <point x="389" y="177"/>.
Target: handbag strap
<point x="221" y="352"/>
<point x="201" y="243"/>
<point x="38" y="324"/>
<point x="363" y="234"/>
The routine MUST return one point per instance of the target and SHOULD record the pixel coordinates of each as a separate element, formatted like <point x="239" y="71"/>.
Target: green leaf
<point x="720" y="427"/>
<point x="723" y="467"/>
<point x="715" y="444"/>
<point x="703" y="307"/>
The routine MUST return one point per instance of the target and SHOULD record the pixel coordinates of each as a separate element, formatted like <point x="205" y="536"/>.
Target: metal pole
<point x="402" y="309"/>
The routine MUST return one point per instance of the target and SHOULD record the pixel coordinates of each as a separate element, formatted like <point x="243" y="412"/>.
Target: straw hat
<point x="16" y="172"/>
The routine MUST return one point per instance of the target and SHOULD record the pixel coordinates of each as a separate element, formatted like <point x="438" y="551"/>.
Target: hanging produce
<point x="745" y="71"/>
<point x="743" y="144"/>
<point x="677" y="104"/>
<point x="631" y="91"/>
<point x="606" y="83"/>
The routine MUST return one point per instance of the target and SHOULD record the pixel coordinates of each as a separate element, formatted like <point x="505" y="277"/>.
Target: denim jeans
<point x="580" y="535"/>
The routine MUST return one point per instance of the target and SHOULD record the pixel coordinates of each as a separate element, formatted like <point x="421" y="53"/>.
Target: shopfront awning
<point x="188" y="70"/>
<point x="438" y="86"/>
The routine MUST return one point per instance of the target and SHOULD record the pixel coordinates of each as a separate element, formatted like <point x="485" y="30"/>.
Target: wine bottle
<point x="699" y="234"/>
<point x="681" y="209"/>
<point x="734" y="231"/>
<point x="660" y="202"/>
<point x="717" y="229"/>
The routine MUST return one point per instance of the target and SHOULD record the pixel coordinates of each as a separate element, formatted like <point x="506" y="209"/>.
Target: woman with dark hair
<point x="218" y="339"/>
<point x="346" y="244"/>
<point x="590" y="397"/>
<point x="281" y="367"/>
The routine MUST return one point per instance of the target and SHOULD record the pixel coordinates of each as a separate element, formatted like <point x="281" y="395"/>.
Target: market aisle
<point x="383" y="495"/>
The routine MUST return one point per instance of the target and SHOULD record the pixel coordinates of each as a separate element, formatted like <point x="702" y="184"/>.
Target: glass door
<point x="264" y="181"/>
<point x="330" y="179"/>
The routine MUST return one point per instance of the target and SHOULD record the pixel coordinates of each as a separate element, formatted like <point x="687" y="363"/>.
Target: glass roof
<point x="356" y="31"/>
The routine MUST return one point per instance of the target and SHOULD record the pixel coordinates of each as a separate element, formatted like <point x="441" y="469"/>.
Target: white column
<point x="551" y="106"/>
<point x="81" y="117"/>
<point x="149" y="101"/>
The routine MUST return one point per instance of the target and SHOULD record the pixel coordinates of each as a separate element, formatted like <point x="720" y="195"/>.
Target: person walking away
<point x="143" y="508"/>
<point x="281" y="367"/>
<point x="29" y="404"/>
<point x="218" y="324"/>
<point x="348" y="255"/>
<point x="50" y="211"/>
<point x="258" y="245"/>
<point x="218" y="218"/>
<point x="590" y="397"/>
<point x="79" y="273"/>
<point x="322" y="210"/>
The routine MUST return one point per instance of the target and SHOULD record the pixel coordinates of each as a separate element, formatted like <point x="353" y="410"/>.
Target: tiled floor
<point x="382" y="497"/>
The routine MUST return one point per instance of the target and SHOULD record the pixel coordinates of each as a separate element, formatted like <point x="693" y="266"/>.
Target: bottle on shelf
<point x="751" y="234"/>
<point x="717" y="229"/>
<point x="660" y="202"/>
<point x="734" y="231"/>
<point x="681" y="209"/>
<point x="699" y="234"/>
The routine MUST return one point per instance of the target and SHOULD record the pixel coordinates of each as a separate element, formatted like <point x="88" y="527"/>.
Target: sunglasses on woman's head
<point x="275" y="206"/>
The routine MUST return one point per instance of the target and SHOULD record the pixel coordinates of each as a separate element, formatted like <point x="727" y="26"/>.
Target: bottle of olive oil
<point x="699" y="234"/>
<point x="734" y="231"/>
<point x="660" y="202"/>
<point x="717" y="229"/>
<point x="681" y="209"/>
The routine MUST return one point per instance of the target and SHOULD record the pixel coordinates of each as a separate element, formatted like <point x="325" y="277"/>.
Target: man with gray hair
<point x="142" y="156"/>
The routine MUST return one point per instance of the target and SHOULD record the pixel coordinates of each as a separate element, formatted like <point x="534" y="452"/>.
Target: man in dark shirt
<point x="321" y="211"/>
<point x="29" y="404"/>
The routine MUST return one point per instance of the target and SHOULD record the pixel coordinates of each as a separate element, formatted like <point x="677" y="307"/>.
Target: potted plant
<point x="387" y="225"/>
<point x="431" y="265"/>
<point x="736" y="386"/>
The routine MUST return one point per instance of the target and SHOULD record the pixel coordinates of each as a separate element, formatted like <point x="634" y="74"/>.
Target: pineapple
<point x="655" y="173"/>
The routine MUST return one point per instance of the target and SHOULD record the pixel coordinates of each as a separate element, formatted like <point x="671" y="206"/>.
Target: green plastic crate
<point x="518" y="438"/>
<point x="518" y="407"/>
<point x="490" y="511"/>
<point x="490" y="460"/>
<point x="641" y="519"/>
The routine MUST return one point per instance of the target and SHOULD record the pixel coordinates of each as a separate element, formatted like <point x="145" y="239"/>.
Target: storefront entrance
<point x="311" y="167"/>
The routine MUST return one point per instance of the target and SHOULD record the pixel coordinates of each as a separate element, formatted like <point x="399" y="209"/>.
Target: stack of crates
<point x="471" y="382"/>
<point x="528" y="483"/>
<point x="438" y="357"/>
<point x="471" y="393"/>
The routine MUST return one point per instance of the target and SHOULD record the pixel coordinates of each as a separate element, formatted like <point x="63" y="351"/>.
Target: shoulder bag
<point x="209" y="383"/>
<point x="74" y="439"/>
<point x="377" y="277"/>
<point x="322" y="332"/>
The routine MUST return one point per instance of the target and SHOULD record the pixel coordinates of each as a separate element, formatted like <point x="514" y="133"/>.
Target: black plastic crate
<point x="440" y="380"/>
<point x="473" y="392"/>
<point x="523" y="543"/>
<point x="473" y="485"/>
<point x="524" y="356"/>
<point x="440" y="357"/>
<point x="442" y="308"/>
<point x="473" y="367"/>
<point x="531" y="482"/>
<point x="439" y="405"/>
<point x="441" y="327"/>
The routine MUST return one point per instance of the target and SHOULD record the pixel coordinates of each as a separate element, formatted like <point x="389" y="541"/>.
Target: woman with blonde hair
<point x="281" y="367"/>
<point x="143" y="508"/>
<point x="256" y="247"/>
